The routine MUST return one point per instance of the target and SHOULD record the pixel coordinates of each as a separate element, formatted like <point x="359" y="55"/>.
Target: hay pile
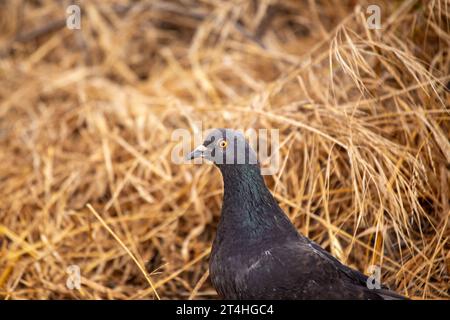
<point x="86" y="117"/>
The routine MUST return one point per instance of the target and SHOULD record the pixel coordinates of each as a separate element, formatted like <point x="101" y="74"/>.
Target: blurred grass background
<point x="86" y="117"/>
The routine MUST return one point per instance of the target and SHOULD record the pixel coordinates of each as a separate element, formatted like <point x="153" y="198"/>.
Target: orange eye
<point x="223" y="144"/>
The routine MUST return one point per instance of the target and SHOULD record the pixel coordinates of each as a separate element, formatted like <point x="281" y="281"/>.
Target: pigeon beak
<point x="196" y="153"/>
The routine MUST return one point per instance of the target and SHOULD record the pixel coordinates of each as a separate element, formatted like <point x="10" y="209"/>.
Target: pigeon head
<point x="225" y="147"/>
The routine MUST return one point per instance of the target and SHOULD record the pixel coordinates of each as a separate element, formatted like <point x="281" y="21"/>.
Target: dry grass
<point x="86" y="118"/>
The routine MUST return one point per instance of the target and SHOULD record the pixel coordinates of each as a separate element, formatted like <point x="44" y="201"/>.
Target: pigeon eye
<point x="223" y="144"/>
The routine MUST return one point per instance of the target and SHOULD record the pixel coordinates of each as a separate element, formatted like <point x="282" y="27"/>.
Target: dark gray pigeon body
<point x="257" y="252"/>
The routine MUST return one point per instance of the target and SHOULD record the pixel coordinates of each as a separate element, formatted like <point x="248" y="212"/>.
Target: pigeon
<point x="257" y="252"/>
